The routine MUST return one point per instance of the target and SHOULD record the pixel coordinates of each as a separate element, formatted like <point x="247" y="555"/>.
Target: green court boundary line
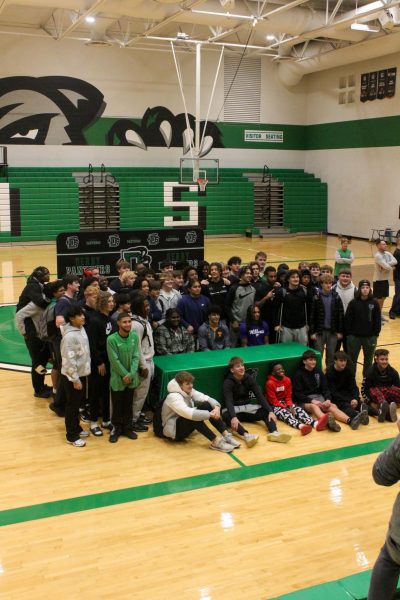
<point x="176" y="486"/>
<point x="236" y="459"/>
<point x="350" y="587"/>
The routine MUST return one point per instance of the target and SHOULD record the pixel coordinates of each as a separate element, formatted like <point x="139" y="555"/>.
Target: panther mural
<point x="58" y="110"/>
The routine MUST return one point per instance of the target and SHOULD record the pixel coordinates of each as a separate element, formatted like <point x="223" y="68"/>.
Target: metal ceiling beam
<point x="284" y="8"/>
<point x="92" y="9"/>
<point x="54" y="25"/>
<point x="228" y="32"/>
<point x="333" y="13"/>
<point x="327" y="30"/>
<point x="172" y="17"/>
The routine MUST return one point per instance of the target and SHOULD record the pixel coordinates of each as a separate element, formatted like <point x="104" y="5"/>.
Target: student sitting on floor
<point x="344" y="390"/>
<point x="184" y="410"/>
<point x="244" y="401"/>
<point x="278" y="391"/>
<point x="382" y="387"/>
<point x="311" y="392"/>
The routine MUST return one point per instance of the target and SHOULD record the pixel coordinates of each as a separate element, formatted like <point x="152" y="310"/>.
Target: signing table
<point x="210" y="368"/>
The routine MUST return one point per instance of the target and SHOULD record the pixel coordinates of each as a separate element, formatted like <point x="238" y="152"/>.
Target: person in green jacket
<point x="343" y="257"/>
<point x="123" y="353"/>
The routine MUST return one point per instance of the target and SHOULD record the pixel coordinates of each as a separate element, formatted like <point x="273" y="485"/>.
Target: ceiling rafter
<point x="328" y="30"/>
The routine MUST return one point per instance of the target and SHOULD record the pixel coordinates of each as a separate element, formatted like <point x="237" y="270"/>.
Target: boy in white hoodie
<point x="185" y="410"/>
<point x="75" y="367"/>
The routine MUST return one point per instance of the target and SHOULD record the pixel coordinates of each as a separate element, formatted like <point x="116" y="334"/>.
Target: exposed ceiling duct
<point x="305" y="35"/>
<point x="291" y="74"/>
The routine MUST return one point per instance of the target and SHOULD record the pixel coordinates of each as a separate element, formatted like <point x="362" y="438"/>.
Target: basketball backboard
<point x="191" y="169"/>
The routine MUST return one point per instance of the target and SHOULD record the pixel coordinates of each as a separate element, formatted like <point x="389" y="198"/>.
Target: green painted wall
<point x="361" y="133"/>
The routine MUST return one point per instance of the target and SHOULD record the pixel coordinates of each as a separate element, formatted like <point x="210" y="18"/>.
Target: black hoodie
<point x="245" y="391"/>
<point x="307" y="383"/>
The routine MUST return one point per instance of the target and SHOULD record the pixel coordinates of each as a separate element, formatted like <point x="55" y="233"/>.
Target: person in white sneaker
<point x="185" y="409"/>
<point x="244" y="401"/>
<point x="75" y="367"/>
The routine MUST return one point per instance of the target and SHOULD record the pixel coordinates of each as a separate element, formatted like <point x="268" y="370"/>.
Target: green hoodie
<point x="123" y="353"/>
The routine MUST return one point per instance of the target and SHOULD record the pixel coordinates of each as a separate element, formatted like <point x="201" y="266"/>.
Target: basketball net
<point x="202" y="183"/>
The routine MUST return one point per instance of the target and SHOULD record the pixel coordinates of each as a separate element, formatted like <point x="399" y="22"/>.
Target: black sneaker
<point x="138" y="426"/>
<point x="56" y="410"/>
<point x="44" y="393"/>
<point x="114" y="435"/>
<point x="393" y="412"/>
<point x="383" y="411"/>
<point x="130" y="434"/>
<point x="84" y="416"/>
<point x="332" y="425"/>
<point x="355" y="421"/>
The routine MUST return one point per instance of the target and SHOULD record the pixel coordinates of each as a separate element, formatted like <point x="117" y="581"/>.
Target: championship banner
<point x="379" y="84"/>
<point x="102" y="249"/>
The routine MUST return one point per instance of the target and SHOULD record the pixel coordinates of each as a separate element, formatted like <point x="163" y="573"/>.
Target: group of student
<point x="310" y="401"/>
<point x="101" y="336"/>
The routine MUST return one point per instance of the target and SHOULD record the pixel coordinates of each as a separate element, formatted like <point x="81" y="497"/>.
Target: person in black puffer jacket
<point x="35" y="292"/>
<point x="327" y="319"/>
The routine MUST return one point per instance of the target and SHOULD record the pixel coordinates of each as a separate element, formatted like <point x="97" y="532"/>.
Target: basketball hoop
<point x="202" y="183"/>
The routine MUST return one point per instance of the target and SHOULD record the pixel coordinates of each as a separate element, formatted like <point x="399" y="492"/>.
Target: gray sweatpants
<point x="294" y="335"/>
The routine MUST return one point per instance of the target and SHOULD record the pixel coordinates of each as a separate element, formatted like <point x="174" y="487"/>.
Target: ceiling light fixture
<point x="90" y="19"/>
<point x="364" y="27"/>
<point x="270" y="37"/>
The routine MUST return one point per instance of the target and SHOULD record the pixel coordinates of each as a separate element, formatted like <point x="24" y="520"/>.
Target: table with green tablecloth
<point x="210" y="368"/>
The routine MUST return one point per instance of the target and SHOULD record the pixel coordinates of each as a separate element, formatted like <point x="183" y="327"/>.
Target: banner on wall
<point x="102" y="249"/>
<point x="378" y="84"/>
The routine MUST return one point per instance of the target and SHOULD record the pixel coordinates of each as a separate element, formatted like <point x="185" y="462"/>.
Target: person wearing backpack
<point x="45" y="326"/>
<point x="184" y="410"/>
<point x="140" y="323"/>
<point x="35" y="292"/>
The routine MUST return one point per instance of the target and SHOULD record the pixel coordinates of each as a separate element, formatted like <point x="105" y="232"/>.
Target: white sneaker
<point x="251" y="439"/>
<point x="229" y="439"/>
<point x="221" y="445"/>
<point x="79" y="443"/>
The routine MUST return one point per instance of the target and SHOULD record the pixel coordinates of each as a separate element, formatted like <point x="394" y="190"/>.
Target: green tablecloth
<point x="210" y="368"/>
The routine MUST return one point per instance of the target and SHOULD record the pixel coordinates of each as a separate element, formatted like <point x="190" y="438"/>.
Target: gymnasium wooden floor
<point x="152" y="520"/>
